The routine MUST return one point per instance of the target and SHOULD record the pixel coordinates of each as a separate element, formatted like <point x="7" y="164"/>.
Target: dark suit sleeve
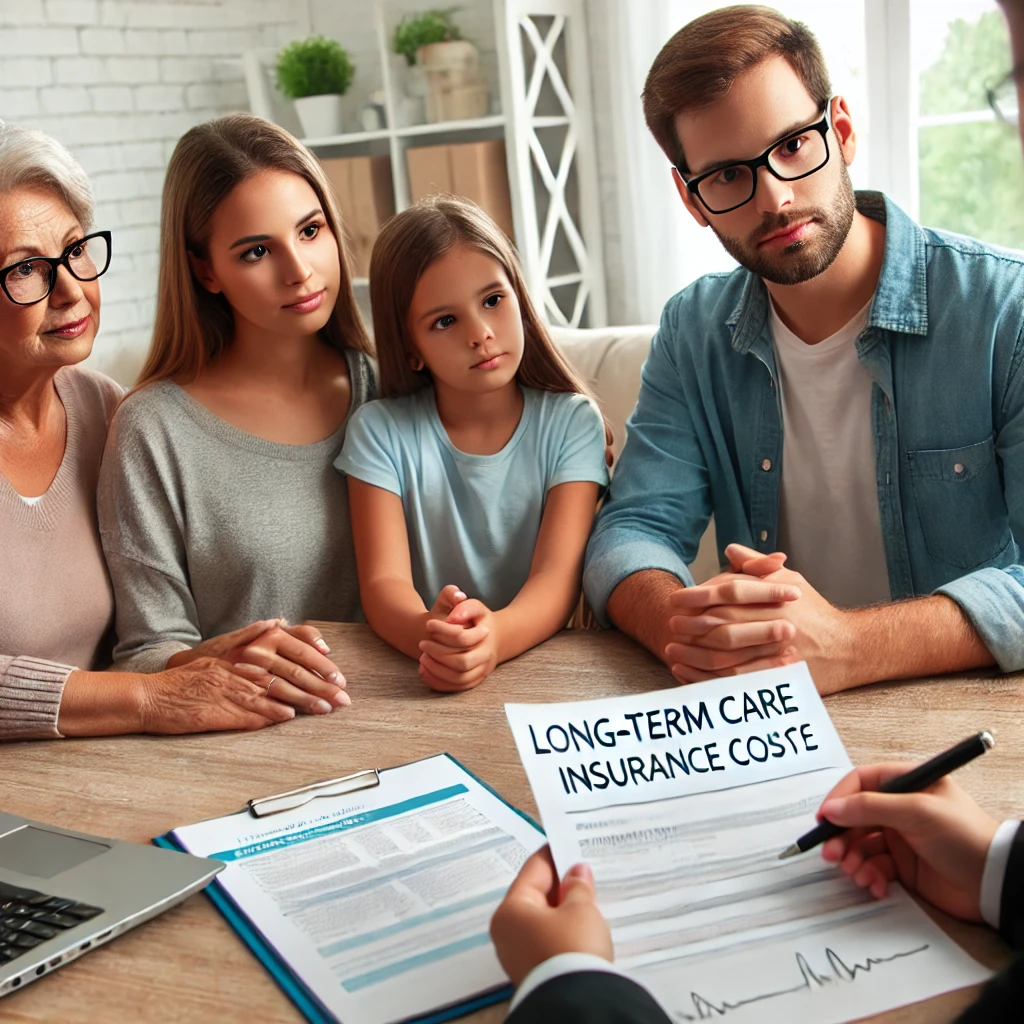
<point x="589" y="997"/>
<point x="1001" y="999"/>
<point x="1011" y="907"/>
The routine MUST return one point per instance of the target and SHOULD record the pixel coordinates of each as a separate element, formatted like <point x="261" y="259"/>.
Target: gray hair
<point x="32" y="159"/>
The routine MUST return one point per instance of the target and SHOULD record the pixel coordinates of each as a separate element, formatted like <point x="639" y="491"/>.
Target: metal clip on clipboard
<point x="260" y="807"/>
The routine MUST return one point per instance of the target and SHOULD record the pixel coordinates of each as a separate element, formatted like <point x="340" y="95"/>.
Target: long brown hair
<point x="193" y="326"/>
<point x="406" y="246"/>
<point x="698" y="65"/>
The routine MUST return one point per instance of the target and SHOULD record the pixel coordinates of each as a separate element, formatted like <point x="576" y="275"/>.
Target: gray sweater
<point x="56" y="605"/>
<point x="207" y="528"/>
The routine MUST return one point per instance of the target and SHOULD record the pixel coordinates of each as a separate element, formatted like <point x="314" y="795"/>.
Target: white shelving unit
<point x="412" y="131"/>
<point x="543" y="95"/>
<point x="546" y="91"/>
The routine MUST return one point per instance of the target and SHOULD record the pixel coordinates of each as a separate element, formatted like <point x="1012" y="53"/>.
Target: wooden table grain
<point x="188" y="966"/>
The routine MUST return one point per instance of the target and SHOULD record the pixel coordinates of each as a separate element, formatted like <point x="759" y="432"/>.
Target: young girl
<point x="473" y="483"/>
<point x="218" y="502"/>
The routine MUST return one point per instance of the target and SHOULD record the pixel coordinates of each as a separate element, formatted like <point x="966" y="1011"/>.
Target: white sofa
<point x="610" y="359"/>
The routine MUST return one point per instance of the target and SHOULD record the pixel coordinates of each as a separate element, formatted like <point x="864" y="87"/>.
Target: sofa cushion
<point x="610" y="359"/>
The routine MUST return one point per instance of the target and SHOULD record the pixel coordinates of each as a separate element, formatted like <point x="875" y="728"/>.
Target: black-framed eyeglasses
<point x="798" y="155"/>
<point x="32" y="279"/>
<point x="1002" y="96"/>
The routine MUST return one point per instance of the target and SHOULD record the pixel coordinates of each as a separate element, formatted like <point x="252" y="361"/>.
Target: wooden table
<point x="188" y="966"/>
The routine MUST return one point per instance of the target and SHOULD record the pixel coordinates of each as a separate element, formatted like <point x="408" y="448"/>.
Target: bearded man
<point x="848" y="403"/>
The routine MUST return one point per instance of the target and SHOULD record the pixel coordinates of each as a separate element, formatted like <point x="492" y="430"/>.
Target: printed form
<point x="379" y="900"/>
<point x="681" y="802"/>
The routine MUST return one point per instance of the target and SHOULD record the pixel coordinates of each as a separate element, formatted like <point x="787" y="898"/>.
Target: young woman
<point x="218" y="503"/>
<point x="473" y="483"/>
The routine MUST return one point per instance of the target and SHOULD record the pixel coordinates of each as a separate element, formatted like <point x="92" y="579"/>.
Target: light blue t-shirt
<point x="473" y="520"/>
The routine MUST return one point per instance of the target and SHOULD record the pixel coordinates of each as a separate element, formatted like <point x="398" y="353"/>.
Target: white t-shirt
<point x="829" y="523"/>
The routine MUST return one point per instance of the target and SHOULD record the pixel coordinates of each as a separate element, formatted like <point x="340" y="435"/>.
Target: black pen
<point x="921" y="777"/>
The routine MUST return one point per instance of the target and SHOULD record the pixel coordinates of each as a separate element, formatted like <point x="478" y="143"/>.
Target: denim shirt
<point x="943" y="345"/>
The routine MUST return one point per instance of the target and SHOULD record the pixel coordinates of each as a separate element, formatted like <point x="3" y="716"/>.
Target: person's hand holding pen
<point x="934" y="842"/>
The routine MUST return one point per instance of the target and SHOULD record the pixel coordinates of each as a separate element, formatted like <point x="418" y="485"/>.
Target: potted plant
<point x="442" y="65"/>
<point x="316" y="73"/>
<point x="425" y="29"/>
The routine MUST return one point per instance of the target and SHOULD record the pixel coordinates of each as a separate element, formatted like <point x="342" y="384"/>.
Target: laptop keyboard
<point x="28" y="917"/>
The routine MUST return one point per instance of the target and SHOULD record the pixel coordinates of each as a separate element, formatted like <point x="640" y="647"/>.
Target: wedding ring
<point x="266" y="692"/>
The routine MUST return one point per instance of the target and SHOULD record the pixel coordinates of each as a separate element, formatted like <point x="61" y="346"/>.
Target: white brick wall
<point x="118" y="82"/>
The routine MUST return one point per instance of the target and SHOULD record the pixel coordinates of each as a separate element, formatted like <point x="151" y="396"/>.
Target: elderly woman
<point x="57" y="605"/>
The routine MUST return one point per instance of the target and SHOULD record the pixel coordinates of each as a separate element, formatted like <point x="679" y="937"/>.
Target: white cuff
<point x="563" y="963"/>
<point x="995" y="871"/>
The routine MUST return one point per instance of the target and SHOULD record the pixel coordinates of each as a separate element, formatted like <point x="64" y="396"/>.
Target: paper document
<point x="681" y="801"/>
<point x="378" y="900"/>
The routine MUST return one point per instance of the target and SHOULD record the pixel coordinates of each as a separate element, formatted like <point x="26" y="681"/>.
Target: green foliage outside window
<point x="971" y="175"/>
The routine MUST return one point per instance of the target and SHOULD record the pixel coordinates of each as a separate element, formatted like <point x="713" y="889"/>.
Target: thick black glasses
<point x="796" y="156"/>
<point x="31" y="280"/>
<point x="1002" y="97"/>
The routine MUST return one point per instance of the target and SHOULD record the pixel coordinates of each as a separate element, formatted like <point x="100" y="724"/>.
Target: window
<point x="839" y="28"/>
<point x="970" y="176"/>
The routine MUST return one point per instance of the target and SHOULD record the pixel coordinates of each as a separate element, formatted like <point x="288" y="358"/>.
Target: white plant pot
<point x="320" y="116"/>
<point x="416" y="81"/>
<point x="411" y="111"/>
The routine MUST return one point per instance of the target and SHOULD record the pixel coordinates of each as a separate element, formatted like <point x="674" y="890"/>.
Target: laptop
<point x="63" y="893"/>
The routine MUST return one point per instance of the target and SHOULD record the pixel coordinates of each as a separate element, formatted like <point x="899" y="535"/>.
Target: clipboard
<point x="287" y="980"/>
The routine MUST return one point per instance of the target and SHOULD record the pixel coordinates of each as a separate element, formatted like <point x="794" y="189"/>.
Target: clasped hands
<point x="758" y="615"/>
<point x="461" y="649"/>
<point x="291" y="658"/>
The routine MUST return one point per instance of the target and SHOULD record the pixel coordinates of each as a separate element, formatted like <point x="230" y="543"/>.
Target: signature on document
<point x="810" y="978"/>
